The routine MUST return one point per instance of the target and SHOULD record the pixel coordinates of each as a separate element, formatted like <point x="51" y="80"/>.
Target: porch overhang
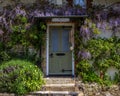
<point x="71" y="16"/>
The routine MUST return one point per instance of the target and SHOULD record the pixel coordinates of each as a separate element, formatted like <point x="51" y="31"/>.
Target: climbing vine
<point x="98" y="55"/>
<point x="95" y="54"/>
<point x="27" y="36"/>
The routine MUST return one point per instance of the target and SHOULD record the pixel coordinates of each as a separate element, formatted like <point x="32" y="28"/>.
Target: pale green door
<point x="60" y="56"/>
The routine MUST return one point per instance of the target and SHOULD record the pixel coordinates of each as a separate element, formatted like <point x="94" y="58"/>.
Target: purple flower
<point x="111" y="23"/>
<point x="98" y="25"/>
<point x="67" y="13"/>
<point x="84" y="55"/>
<point x="116" y="23"/>
<point x="118" y="20"/>
<point x="98" y="16"/>
<point x="20" y="11"/>
<point x="85" y="32"/>
<point x="47" y="14"/>
<point x="1" y="32"/>
<point x="0" y="19"/>
<point x="79" y="12"/>
<point x="103" y="25"/>
<point x="104" y="15"/>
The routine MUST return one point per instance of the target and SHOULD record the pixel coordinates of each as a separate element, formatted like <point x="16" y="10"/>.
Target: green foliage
<point x="19" y="34"/>
<point x="36" y="35"/>
<point x="90" y="77"/>
<point x="26" y="35"/>
<point x="4" y="56"/>
<point x="20" y="77"/>
<point x="104" y="54"/>
<point x="84" y="66"/>
<point x="33" y="36"/>
<point x="116" y="78"/>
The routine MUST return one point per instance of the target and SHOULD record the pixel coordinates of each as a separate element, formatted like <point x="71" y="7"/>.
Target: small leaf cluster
<point x="18" y="34"/>
<point x="4" y="56"/>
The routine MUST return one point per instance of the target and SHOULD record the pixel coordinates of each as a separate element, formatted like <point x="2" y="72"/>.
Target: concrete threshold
<point x="54" y="92"/>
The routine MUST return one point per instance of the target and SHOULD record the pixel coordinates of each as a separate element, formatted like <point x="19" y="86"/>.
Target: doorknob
<point x="51" y="55"/>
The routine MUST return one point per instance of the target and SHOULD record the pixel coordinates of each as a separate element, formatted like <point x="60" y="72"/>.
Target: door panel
<point x="65" y="40"/>
<point x="54" y="40"/>
<point x="60" y="56"/>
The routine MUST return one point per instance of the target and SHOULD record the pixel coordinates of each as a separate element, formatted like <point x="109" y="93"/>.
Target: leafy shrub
<point x="90" y="77"/>
<point x="20" y="77"/>
<point x="4" y="56"/>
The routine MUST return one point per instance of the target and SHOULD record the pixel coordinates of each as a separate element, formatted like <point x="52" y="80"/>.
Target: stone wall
<point x="97" y="90"/>
<point x="87" y="90"/>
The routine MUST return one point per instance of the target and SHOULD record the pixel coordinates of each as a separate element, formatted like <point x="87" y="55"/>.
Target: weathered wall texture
<point x="97" y="2"/>
<point x="27" y="1"/>
<point x="4" y="3"/>
<point x="104" y="2"/>
<point x="94" y="89"/>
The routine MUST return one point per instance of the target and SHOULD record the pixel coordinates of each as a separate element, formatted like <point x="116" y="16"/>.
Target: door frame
<point x="47" y="45"/>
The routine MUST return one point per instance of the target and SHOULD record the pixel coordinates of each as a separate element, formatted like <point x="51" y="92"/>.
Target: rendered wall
<point x="97" y="2"/>
<point x="106" y="2"/>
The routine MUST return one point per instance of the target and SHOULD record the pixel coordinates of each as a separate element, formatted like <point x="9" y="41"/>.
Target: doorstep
<point x="55" y="93"/>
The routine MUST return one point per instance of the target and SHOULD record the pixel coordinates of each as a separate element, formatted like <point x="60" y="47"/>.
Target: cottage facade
<point x="58" y="53"/>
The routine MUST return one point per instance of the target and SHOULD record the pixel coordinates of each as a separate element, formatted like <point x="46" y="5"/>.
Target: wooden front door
<point x="60" y="56"/>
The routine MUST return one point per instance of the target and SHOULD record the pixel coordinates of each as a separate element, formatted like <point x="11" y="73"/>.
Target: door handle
<point x="60" y="54"/>
<point x="51" y="55"/>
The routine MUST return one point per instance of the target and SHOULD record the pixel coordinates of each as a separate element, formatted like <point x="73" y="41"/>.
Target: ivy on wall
<point x="94" y="54"/>
<point x="27" y="36"/>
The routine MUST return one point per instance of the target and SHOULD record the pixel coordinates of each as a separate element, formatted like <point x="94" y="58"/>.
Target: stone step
<point x="59" y="80"/>
<point x="59" y="87"/>
<point x="55" y="93"/>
